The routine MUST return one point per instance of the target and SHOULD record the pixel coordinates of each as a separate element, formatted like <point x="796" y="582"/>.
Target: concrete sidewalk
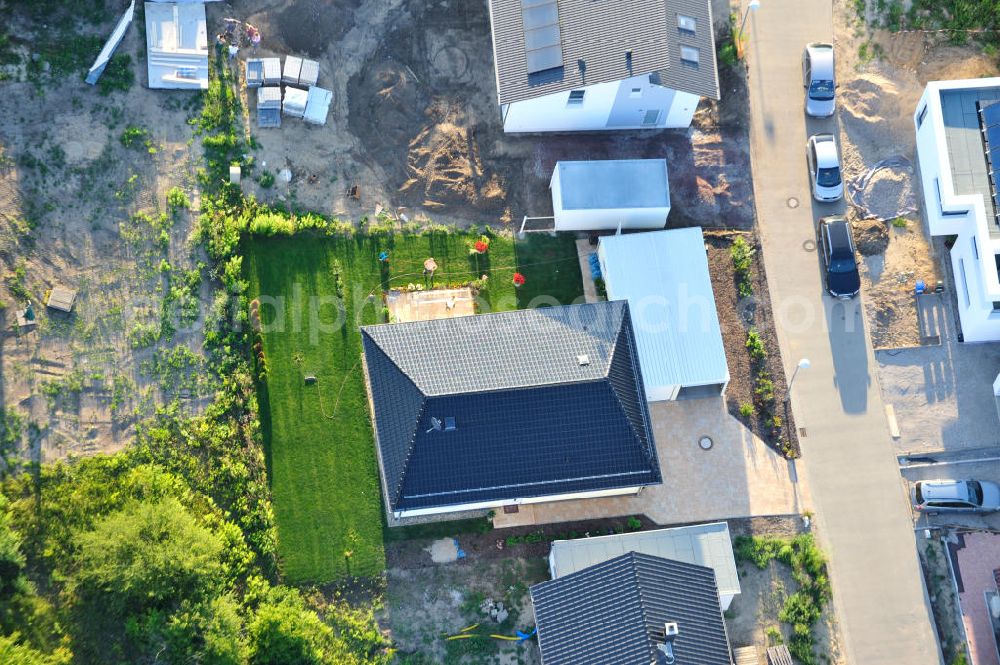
<point x="862" y="513"/>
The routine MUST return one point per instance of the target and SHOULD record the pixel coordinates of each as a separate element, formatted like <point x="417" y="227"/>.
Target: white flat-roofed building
<point x="177" y="45"/>
<point x="610" y="194"/>
<point x="958" y="136"/>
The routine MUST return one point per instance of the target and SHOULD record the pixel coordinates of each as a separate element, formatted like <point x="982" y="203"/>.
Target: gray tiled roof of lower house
<point x="614" y="613"/>
<point x="966" y="157"/>
<point x="599" y="34"/>
<point x="538" y="347"/>
<point x="525" y="423"/>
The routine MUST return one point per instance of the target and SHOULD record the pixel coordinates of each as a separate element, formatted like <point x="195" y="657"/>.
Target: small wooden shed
<point x="61" y="298"/>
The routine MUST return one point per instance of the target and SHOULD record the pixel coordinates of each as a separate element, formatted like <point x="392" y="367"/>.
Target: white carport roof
<point x="664" y="276"/>
<point x="177" y="45"/>
<point x="704" y="545"/>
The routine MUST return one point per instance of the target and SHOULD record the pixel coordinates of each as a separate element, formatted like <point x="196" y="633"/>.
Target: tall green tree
<point x="148" y="556"/>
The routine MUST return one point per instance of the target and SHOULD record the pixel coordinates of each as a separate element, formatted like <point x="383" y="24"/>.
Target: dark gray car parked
<point x="836" y="244"/>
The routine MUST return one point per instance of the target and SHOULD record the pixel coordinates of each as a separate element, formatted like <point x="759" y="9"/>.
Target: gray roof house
<point x="517" y="407"/>
<point x="635" y="609"/>
<point x="577" y="65"/>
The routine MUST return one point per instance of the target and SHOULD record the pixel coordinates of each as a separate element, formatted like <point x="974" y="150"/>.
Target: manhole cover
<point x="705" y="442"/>
<point x="792" y="202"/>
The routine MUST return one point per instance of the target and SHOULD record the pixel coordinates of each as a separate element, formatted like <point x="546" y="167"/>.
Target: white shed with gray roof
<point x="706" y="545"/>
<point x="610" y="194"/>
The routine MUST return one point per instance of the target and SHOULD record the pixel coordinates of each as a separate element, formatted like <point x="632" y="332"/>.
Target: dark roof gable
<point x="614" y="613"/>
<point x="543" y="402"/>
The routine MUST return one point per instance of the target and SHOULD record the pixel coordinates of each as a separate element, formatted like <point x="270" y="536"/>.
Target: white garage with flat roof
<point x="664" y="276"/>
<point x="706" y="545"/>
<point x="610" y="194"/>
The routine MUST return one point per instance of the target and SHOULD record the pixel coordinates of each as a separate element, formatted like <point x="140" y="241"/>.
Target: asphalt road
<point x="862" y="512"/>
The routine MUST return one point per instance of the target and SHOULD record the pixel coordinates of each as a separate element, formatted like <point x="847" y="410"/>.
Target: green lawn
<point x="324" y="477"/>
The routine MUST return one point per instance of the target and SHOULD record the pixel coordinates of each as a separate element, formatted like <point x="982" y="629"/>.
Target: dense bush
<point x="804" y="607"/>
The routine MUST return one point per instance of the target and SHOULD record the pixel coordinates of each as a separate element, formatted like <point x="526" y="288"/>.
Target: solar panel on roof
<point x="990" y="115"/>
<point x="988" y="110"/>
<point x="542" y="40"/>
<point x="993" y="137"/>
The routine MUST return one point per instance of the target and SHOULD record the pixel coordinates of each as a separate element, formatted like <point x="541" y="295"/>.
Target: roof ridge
<point x="398" y="493"/>
<point x="647" y="446"/>
<point x="634" y="559"/>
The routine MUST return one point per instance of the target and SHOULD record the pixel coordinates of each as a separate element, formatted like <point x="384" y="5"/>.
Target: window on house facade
<point x="686" y="25"/>
<point x="965" y="283"/>
<point x="690" y="55"/>
<point x="576" y="97"/>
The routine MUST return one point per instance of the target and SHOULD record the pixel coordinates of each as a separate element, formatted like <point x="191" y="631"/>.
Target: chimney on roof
<point x="665" y="651"/>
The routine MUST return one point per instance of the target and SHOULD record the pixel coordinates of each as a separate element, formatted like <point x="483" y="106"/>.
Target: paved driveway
<point x="943" y="395"/>
<point x="861" y="509"/>
<point x="739" y="476"/>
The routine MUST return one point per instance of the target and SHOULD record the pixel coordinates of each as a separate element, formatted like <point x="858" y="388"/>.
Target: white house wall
<point x="487" y="505"/>
<point x="976" y="282"/>
<point x="605" y="106"/>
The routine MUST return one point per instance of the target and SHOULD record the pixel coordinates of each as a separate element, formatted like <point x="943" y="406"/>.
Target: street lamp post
<point x="752" y="5"/>
<point x="803" y="364"/>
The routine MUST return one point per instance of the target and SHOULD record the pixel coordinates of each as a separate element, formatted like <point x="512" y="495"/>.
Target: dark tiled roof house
<point x="514" y="407"/>
<point x="621" y="611"/>
<point x="602" y="64"/>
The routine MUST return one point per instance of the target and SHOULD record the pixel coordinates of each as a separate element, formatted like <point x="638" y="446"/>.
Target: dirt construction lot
<point x="415" y="124"/>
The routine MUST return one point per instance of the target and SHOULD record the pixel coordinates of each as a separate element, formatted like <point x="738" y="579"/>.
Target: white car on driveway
<point x="823" y="160"/>
<point x="950" y="496"/>
<point x="818" y="79"/>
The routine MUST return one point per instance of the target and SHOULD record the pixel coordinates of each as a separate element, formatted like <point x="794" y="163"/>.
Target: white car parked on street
<point x="818" y="79"/>
<point x="823" y="160"/>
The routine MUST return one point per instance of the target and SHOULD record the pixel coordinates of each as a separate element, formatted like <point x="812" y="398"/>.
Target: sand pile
<point x="886" y="193"/>
<point x="870" y="236"/>
<point x="444" y="163"/>
<point x="873" y="122"/>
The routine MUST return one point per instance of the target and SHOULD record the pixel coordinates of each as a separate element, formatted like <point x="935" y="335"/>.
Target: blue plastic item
<point x="595" y="266"/>
<point x="524" y="636"/>
<point x="921" y="287"/>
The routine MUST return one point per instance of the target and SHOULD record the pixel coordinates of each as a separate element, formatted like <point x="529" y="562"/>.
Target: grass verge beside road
<point x="314" y="293"/>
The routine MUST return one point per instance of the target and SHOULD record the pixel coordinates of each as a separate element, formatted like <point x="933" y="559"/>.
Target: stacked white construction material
<point x="318" y="105"/>
<point x="272" y="71"/>
<point x="290" y="75"/>
<point x="255" y="72"/>
<point x="295" y="102"/>
<point x="309" y="73"/>
<point x="269" y="106"/>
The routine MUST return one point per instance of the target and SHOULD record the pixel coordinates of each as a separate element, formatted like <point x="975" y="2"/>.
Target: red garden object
<point x="481" y="246"/>
<point x="518" y="279"/>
